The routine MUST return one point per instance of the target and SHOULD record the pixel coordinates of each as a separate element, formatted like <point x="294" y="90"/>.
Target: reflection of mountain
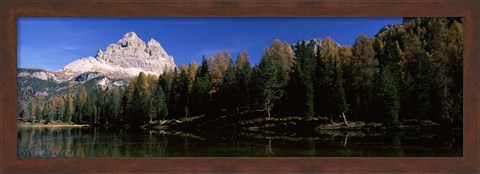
<point x="112" y="68"/>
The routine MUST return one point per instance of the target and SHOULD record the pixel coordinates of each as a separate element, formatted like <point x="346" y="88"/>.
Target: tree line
<point x="411" y="71"/>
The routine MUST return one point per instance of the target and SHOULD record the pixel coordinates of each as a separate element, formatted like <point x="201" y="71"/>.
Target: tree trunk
<point x="331" y="120"/>
<point x="186" y="111"/>
<point x="268" y="111"/>
<point x="346" y="139"/>
<point x="345" y="119"/>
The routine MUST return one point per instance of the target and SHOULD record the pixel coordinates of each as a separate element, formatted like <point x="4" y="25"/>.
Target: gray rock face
<point x="388" y="27"/>
<point x="38" y="74"/>
<point x="33" y="83"/>
<point x="86" y="76"/>
<point x="124" y="59"/>
<point x="314" y="44"/>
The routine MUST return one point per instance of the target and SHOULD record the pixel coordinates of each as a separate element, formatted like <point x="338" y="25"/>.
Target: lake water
<point x="102" y="142"/>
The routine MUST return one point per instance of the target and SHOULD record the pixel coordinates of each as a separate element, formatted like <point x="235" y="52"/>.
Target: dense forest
<point x="409" y="71"/>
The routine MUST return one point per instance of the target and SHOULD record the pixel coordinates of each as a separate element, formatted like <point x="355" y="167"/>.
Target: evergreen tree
<point x="324" y="79"/>
<point x="187" y="76"/>
<point x="125" y="107"/>
<point x="301" y="90"/>
<point x="44" y="112"/>
<point x="20" y="110"/>
<point x="59" y="109"/>
<point x="268" y="83"/>
<point x="115" y="106"/>
<point x="160" y="105"/>
<point x="242" y="77"/>
<point x="341" y="106"/>
<point x="329" y="92"/>
<point x="82" y="101"/>
<point x="227" y="92"/>
<point x="68" y="110"/>
<point x="30" y="110"/>
<point x="200" y="98"/>
<point x="421" y="87"/>
<point x="365" y="68"/>
<point x="48" y="113"/>
<point x="219" y="64"/>
<point x="388" y="98"/>
<point x="140" y="101"/>
<point x="282" y="55"/>
<point x="37" y="114"/>
<point x="182" y="91"/>
<point x="165" y="81"/>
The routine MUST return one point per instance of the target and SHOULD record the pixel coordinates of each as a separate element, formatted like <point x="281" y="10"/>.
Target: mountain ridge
<point x="124" y="59"/>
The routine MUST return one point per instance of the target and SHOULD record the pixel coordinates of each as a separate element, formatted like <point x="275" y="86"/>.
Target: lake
<point x="109" y="142"/>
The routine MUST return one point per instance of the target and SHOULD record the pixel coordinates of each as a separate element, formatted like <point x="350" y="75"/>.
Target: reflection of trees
<point x="98" y="142"/>
<point x="396" y="145"/>
<point x="90" y="142"/>
<point x="312" y="150"/>
<point x="269" y="151"/>
<point x="44" y="142"/>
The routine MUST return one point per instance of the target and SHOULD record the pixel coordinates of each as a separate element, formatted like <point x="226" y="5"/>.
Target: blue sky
<point x="53" y="42"/>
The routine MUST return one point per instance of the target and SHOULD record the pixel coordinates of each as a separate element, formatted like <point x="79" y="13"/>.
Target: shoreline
<point x="52" y="125"/>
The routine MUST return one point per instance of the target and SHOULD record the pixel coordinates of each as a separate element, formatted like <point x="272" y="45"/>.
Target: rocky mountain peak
<point x="387" y="27"/>
<point x="315" y="44"/>
<point x="99" y="54"/>
<point x="131" y="40"/>
<point x="126" y="58"/>
<point x="131" y="34"/>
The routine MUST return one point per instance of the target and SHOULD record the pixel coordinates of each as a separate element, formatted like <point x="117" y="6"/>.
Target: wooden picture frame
<point x="10" y="10"/>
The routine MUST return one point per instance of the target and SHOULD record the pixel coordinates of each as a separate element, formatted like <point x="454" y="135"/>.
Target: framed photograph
<point x="239" y="86"/>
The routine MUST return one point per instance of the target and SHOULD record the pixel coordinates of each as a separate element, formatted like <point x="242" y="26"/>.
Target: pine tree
<point x="48" y="113"/>
<point x="324" y="79"/>
<point x="82" y="101"/>
<point x="160" y="105"/>
<point x="200" y="98"/>
<point x="421" y="86"/>
<point x="227" y="92"/>
<point x="165" y="80"/>
<point x="219" y="64"/>
<point x="270" y="89"/>
<point x="388" y="98"/>
<point x="140" y="101"/>
<point x="365" y="68"/>
<point x="282" y="55"/>
<point x="329" y="92"/>
<point x="183" y="91"/>
<point x="453" y="102"/>
<point x="341" y="106"/>
<point x="36" y="113"/>
<point x="242" y="76"/>
<point x="20" y="110"/>
<point x="44" y="112"/>
<point x="301" y="90"/>
<point x="67" y="111"/>
<point x="59" y="108"/>
<point x="189" y="79"/>
<point x="30" y="110"/>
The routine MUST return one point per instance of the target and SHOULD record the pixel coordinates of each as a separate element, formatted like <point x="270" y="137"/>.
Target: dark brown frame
<point x="10" y="10"/>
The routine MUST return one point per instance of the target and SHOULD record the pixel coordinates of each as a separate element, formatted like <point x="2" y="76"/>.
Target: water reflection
<point x="102" y="142"/>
